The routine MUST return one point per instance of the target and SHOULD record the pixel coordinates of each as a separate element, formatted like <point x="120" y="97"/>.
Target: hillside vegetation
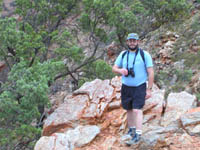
<point x="41" y="43"/>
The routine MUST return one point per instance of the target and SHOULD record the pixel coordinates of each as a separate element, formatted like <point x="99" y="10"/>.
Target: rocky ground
<point x="92" y="119"/>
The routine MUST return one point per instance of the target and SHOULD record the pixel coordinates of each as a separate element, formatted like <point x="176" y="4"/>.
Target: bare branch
<point x="88" y="61"/>
<point x="32" y="61"/>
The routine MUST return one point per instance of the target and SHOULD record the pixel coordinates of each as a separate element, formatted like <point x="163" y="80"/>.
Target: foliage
<point x="99" y="69"/>
<point x="119" y="16"/>
<point x="186" y="47"/>
<point x="198" y="96"/>
<point x="178" y="79"/>
<point x="68" y="48"/>
<point x="196" y="24"/>
<point x="184" y="75"/>
<point x="18" y="44"/>
<point x="25" y="47"/>
<point x="122" y="17"/>
<point x="183" y="78"/>
<point x="24" y="92"/>
<point x="1" y="2"/>
<point x="167" y="10"/>
<point x="192" y="56"/>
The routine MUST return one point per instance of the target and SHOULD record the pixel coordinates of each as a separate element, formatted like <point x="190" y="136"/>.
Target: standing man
<point x="136" y="67"/>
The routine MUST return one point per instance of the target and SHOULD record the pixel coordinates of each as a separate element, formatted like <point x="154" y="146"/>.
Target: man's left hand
<point x="148" y="94"/>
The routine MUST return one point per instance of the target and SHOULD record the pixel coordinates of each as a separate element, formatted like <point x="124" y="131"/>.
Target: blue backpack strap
<point x="142" y="54"/>
<point x="124" y="54"/>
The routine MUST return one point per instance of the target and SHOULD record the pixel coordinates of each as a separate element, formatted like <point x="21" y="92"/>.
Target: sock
<point x="139" y="132"/>
<point x="133" y="127"/>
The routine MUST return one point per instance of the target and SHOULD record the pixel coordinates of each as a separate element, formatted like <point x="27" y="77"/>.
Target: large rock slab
<point x="66" y="116"/>
<point x="153" y="107"/>
<point x="177" y="105"/>
<point x="69" y="140"/>
<point x="57" y="141"/>
<point x="82" y="135"/>
<point x="96" y="90"/>
<point x="86" y="105"/>
<point x="191" y="121"/>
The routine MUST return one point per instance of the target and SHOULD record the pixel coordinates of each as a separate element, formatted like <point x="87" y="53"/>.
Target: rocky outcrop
<point x="177" y="104"/>
<point x="92" y="119"/>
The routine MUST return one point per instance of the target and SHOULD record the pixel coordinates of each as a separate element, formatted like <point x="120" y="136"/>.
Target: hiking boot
<point x="129" y="135"/>
<point x="131" y="132"/>
<point x="135" y="140"/>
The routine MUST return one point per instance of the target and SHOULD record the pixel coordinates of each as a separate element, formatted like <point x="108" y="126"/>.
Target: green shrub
<point x="99" y="69"/>
<point x="167" y="10"/>
<point x="25" y="92"/>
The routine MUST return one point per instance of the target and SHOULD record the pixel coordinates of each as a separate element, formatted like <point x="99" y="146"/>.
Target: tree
<point x="26" y="48"/>
<point x="111" y="20"/>
<point x="165" y="11"/>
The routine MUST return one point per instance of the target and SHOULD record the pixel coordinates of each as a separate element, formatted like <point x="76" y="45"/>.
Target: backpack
<point x="141" y="53"/>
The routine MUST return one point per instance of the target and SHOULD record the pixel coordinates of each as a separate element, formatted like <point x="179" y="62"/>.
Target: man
<point x="135" y="70"/>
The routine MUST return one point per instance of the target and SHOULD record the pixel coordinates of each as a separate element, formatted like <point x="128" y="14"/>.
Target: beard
<point x="133" y="49"/>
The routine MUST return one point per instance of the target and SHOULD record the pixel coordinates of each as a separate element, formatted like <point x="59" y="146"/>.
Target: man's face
<point x="132" y="43"/>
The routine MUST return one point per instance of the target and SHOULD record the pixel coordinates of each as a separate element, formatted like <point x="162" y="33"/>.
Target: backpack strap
<point x="142" y="54"/>
<point x="124" y="54"/>
<point x="123" y="57"/>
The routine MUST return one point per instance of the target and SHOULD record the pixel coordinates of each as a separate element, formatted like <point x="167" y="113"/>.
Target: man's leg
<point x="137" y="119"/>
<point x="131" y="118"/>
<point x="131" y="123"/>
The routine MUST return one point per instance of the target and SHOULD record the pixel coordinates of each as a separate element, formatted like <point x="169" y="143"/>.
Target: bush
<point x="99" y="69"/>
<point x="23" y="96"/>
<point x="167" y="10"/>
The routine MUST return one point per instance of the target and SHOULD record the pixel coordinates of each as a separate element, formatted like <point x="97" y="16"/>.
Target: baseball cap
<point x="133" y="36"/>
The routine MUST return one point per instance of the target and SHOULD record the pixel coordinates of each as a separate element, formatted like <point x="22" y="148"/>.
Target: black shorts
<point x="133" y="97"/>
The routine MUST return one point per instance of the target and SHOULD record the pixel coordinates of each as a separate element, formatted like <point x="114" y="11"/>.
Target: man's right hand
<point x="121" y="71"/>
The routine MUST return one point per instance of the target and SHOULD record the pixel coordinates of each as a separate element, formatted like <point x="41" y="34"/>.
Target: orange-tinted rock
<point x="197" y="109"/>
<point x="98" y="103"/>
<point x="2" y="66"/>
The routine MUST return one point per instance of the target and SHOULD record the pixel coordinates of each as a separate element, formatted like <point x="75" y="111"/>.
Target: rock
<point x="191" y="121"/>
<point x="177" y="105"/>
<point x="65" y="116"/>
<point x="154" y="106"/>
<point x="94" y="119"/>
<point x="82" y="135"/>
<point x="96" y="90"/>
<point x="57" y="141"/>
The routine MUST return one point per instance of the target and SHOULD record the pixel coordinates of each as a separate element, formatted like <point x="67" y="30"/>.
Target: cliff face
<point x="92" y="119"/>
